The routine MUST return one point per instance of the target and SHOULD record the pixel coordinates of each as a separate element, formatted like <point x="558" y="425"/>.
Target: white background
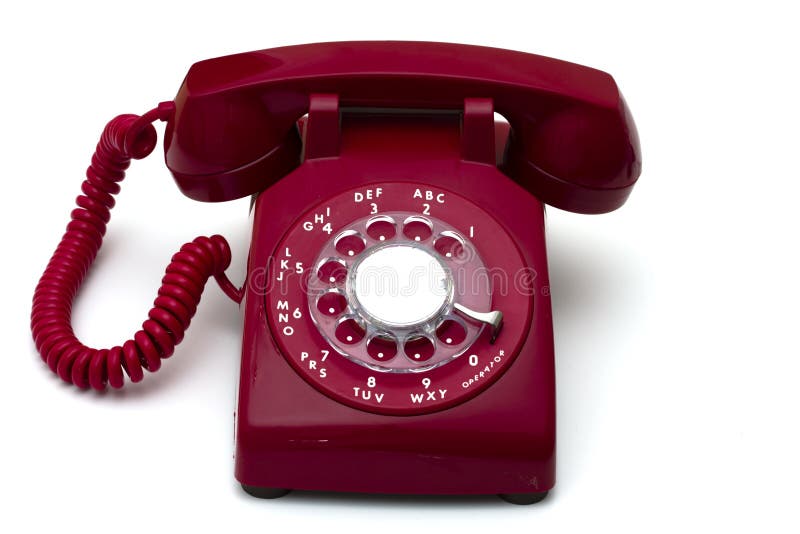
<point x="676" y="317"/>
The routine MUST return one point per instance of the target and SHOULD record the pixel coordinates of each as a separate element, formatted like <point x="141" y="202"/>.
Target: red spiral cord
<point x="126" y="137"/>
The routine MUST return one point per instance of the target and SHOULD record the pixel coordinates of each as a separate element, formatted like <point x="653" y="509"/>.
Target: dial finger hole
<point x="449" y="245"/>
<point x="417" y="228"/>
<point x="349" y="331"/>
<point x="419" y="348"/>
<point x="382" y="347"/>
<point x="332" y="271"/>
<point x="381" y="228"/>
<point x="331" y="303"/>
<point x="451" y="332"/>
<point x="350" y="243"/>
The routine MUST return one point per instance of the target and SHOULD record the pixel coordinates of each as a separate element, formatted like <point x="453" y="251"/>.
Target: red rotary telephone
<point x="397" y="324"/>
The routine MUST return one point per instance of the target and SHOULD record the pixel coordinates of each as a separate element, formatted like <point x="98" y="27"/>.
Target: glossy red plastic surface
<point x="234" y="131"/>
<point x="291" y="435"/>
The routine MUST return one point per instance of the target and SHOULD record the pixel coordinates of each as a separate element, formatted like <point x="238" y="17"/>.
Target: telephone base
<point x="523" y="498"/>
<point x="298" y="422"/>
<point x="265" y="493"/>
<point x="513" y="498"/>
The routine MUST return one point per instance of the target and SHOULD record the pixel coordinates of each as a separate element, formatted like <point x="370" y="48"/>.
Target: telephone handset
<point x="397" y="325"/>
<point x="573" y="142"/>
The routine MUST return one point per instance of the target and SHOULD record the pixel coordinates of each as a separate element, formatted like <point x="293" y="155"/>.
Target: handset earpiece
<point x="578" y="158"/>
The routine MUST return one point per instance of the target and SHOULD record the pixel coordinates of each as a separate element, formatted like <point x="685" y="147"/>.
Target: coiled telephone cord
<point x="124" y="138"/>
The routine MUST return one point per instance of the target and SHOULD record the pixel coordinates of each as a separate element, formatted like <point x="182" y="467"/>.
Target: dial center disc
<point x="400" y="285"/>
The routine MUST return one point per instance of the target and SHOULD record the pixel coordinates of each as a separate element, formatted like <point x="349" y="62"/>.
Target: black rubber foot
<point x="265" y="493"/>
<point x="523" y="498"/>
